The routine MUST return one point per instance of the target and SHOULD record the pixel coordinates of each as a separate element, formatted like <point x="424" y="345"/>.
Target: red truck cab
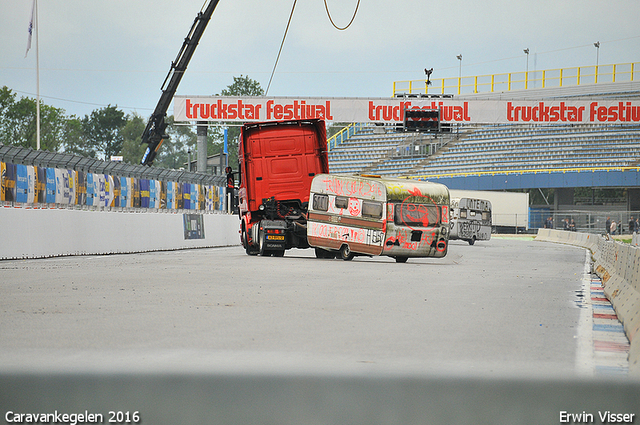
<point x="278" y="161"/>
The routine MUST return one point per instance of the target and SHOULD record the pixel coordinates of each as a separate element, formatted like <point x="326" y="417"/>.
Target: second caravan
<point x="369" y="215"/>
<point x="470" y="219"/>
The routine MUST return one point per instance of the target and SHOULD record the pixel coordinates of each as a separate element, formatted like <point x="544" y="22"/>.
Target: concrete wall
<point x="618" y="265"/>
<point x="40" y="233"/>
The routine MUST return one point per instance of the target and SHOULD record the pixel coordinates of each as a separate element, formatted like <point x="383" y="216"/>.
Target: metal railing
<point x="344" y="134"/>
<point x="525" y="80"/>
<point x="526" y="171"/>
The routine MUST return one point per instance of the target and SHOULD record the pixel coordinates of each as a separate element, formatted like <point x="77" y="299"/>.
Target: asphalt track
<point x="505" y="306"/>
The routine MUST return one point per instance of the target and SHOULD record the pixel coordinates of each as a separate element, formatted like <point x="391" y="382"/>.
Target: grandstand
<point x="472" y="149"/>
<point x="384" y="151"/>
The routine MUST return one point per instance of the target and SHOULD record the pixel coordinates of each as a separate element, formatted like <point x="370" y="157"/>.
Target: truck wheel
<point x="279" y="253"/>
<point x="245" y="243"/>
<point x="263" y="252"/>
<point x="472" y="240"/>
<point x="345" y="253"/>
<point x="401" y="259"/>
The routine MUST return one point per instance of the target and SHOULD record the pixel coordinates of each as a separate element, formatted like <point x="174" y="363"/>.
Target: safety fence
<point x="523" y="80"/>
<point x="627" y="223"/>
<point x="41" y="179"/>
<point x="344" y="134"/>
<point x="618" y="265"/>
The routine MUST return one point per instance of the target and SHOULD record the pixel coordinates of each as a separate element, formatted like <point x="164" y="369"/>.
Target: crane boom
<point x="154" y="133"/>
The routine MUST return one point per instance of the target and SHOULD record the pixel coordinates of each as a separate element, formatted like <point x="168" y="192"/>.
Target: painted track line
<point x="603" y="347"/>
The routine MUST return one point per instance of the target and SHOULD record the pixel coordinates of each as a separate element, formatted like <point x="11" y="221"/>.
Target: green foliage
<point x="18" y="122"/>
<point x="241" y="86"/>
<point x="108" y="131"/>
<point x="102" y="131"/>
<point x="173" y="153"/>
<point x="132" y="149"/>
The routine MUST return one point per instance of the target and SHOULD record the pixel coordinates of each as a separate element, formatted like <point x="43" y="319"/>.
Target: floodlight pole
<point x="526" y="73"/>
<point x="597" y="46"/>
<point x="459" y="73"/>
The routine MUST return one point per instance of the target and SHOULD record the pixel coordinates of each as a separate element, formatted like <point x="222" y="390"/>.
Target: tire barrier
<point x="54" y="204"/>
<point x="618" y="265"/>
<point x="34" y="186"/>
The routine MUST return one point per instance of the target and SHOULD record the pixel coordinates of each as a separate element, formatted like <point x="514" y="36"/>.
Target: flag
<point x="33" y="12"/>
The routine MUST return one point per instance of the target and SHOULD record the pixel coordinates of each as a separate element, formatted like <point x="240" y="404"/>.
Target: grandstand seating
<point x="490" y="148"/>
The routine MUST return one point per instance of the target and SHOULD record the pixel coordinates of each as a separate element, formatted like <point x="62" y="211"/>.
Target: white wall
<point x="38" y="233"/>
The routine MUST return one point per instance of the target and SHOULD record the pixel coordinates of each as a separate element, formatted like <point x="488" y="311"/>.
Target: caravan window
<point x="372" y="209"/>
<point x="342" y="202"/>
<point x="320" y="202"/>
<point x="418" y="215"/>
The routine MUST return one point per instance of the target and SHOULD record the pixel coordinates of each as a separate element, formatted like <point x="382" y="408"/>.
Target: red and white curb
<point x="603" y="347"/>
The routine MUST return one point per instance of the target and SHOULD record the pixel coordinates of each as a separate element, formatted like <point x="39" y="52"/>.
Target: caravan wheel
<point x="345" y="253"/>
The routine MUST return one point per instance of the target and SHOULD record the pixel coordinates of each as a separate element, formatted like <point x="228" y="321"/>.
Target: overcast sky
<point x="99" y="52"/>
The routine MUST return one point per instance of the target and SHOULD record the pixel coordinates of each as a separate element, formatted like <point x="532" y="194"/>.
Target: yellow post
<point x="613" y="79"/>
<point x="509" y="82"/>
<point x="492" y="82"/>
<point x="561" y="77"/>
<point x="596" y="74"/>
<point x="578" y="75"/>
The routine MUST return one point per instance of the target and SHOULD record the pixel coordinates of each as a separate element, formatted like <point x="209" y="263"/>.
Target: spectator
<point x="632" y="225"/>
<point x="614" y="227"/>
<point x="572" y="225"/>
<point x="608" y="225"/>
<point x="636" y="226"/>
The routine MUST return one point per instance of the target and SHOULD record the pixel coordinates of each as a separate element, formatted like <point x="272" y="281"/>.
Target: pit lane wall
<point x="618" y="265"/>
<point x="43" y="232"/>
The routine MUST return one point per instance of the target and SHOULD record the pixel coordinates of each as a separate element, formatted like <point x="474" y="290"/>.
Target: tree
<point x="132" y="149"/>
<point x="18" y="122"/>
<point x="241" y="86"/>
<point x="102" y="129"/>
<point x="74" y="141"/>
<point x="173" y="153"/>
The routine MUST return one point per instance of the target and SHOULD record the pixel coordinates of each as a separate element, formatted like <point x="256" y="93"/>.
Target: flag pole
<point x="37" y="78"/>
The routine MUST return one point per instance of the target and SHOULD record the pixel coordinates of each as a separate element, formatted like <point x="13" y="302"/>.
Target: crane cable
<point x="350" y="22"/>
<point x="281" y="44"/>
<point x="287" y="30"/>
